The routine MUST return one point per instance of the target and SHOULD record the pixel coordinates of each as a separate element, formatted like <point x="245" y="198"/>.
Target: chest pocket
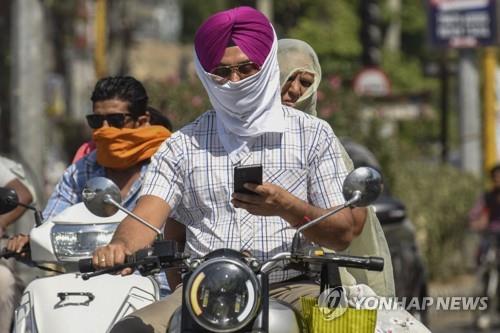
<point x="293" y="180"/>
<point x="206" y="189"/>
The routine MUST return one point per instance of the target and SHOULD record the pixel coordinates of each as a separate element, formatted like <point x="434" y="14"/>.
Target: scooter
<point x="227" y="291"/>
<point x="65" y="302"/>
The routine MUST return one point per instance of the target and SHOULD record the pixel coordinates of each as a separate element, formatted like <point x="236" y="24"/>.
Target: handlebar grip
<point x="85" y="265"/>
<point x="375" y="264"/>
<point x="24" y="254"/>
<point x="8" y="254"/>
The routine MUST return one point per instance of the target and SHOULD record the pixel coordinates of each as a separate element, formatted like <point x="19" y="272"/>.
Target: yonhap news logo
<point x="334" y="302"/>
<point x="449" y="303"/>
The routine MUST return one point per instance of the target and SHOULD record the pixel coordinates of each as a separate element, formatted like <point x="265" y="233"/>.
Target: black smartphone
<point x="247" y="174"/>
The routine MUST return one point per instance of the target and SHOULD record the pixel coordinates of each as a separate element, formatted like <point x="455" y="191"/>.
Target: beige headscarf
<point x="295" y="55"/>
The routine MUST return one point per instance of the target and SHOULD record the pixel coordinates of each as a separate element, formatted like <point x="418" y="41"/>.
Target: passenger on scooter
<point x="300" y="76"/>
<point x="126" y="135"/>
<point x="191" y="176"/>
<point x="11" y="176"/>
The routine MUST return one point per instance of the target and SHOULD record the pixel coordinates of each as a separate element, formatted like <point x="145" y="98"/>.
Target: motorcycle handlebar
<point x="5" y="254"/>
<point x="9" y="254"/>
<point x="369" y="263"/>
<point x="86" y="265"/>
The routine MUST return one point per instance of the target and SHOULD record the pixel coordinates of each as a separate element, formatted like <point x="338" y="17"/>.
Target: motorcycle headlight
<point x="223" y="295"/>
<point x="76" y="241"/>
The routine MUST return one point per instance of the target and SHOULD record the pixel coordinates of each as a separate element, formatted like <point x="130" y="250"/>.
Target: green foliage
<point x="181" y="101"/>
<point x="332" y="29"/>
<point x="438" y="198"/>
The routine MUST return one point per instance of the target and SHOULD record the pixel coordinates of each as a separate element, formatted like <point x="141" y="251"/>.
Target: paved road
<point x="456" y="321"/>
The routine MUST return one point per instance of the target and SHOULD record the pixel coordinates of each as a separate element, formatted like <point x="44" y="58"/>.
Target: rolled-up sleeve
<point x="65" y="194"/>
<point x="164" y="177"/>
<point x="327" y="170"/>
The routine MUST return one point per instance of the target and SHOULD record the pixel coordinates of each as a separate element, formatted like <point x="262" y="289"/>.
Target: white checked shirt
<point x="193" y="173"/>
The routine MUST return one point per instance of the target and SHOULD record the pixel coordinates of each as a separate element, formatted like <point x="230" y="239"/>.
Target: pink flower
<point x="320" y="95"/>
<point x="326" y="112"/>
<point x="173" y="79"/>
<point x="196" y="101"/>
<point x="335" y="82"/>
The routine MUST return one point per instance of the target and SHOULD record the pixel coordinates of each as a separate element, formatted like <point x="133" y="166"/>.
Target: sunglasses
<point x="117" y="120"/>
<point x="243" y="70"/>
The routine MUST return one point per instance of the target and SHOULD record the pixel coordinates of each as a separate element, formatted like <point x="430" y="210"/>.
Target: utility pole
<point x="266" y="7"/>
<point x="470" y="116"/>
<point x="444" y="78"/>
<point x="100" y="38"/>
<point x="27" y="82"/>
<point x="393" y="33"/>
<point x="489" y="119"/>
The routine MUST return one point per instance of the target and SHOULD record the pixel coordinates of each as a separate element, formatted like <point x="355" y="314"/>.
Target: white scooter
<point x="65" y="302"/>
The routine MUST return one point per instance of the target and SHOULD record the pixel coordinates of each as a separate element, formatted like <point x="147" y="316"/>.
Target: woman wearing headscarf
<point x="300" y="76"/>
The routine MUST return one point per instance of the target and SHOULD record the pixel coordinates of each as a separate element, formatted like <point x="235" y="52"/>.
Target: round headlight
<point x="223" y="295"/>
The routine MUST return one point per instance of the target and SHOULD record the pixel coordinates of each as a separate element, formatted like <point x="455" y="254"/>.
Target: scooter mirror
<point x="96" y="195"/>
<point x="363" y="186"/>
<point x="8" y="200"/>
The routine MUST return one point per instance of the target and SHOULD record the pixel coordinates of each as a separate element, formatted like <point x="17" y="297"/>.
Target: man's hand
<point x="270" y="200"/>
<point x="111" y="255"/>
<point x="17" y="242"/>
<point x="335" y="231"/>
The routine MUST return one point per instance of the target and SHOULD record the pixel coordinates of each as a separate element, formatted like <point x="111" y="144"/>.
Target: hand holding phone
<point x="247" y="174"/>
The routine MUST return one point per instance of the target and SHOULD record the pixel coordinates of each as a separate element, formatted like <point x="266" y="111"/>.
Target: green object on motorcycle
<point x="327" y="320"/>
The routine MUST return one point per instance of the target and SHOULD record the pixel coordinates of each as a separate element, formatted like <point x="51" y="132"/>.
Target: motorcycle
<point x="228" y="291"/>
<point x="65" y="302"/>
<point x="488" y="280"/>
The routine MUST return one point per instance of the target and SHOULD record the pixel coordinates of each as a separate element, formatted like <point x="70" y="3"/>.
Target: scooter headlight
<point x="223" y="295"/>
<point x="72" y="242"/>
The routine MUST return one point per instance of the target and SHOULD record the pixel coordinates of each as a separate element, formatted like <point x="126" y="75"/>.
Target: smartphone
<point x="247" y="174"/>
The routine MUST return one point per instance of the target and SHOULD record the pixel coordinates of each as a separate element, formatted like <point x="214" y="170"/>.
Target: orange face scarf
<point x="122" y="148"/>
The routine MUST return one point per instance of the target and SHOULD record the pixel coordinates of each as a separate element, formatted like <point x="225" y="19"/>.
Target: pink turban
<point x="245" y="27"/>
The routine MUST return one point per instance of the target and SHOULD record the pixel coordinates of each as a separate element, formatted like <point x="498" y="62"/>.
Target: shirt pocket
<point x="294" y="180"/>
<point x="206" y="190"/>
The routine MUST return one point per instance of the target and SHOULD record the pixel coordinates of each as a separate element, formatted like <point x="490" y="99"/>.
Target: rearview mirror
<point x="8" y="200"/>
<point x="362" y="186"/>
<point x="96" y="196"/>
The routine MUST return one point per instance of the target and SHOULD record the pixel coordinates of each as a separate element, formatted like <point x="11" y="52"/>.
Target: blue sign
<point x="462" y="23"/>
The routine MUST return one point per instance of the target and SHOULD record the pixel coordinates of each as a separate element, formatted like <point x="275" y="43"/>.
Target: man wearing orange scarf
<point x="126" y="133"/>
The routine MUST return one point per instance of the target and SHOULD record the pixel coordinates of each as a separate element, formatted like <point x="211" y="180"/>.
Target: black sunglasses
<point x="244" y="70"/>
<point x="117" y="120"/>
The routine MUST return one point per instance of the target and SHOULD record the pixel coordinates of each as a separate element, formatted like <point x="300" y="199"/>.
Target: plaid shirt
<point x="194" y="175"/>
<point x="68" y="191"/>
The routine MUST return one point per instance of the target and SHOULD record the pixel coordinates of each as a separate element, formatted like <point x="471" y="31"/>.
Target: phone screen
<point x="247" y="174"/>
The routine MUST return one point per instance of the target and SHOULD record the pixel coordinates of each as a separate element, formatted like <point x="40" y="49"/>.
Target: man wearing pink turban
<point x="190" y="178"/>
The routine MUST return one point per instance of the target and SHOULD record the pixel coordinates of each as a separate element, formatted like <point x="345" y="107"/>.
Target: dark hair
<point x="158" y="118"/>
<point x="125" y="88"/>
<point x="494" y="170"/>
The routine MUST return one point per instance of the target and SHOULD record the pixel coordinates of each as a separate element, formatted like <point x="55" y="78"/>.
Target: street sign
<point x="371" y="82"/>
<point x="463" y="23"/>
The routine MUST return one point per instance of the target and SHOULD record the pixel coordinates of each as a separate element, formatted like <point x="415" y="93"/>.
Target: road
<point x="456" y="321"/>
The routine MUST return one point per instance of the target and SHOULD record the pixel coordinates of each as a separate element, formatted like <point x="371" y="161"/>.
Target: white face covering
<point x="248" y="108"/>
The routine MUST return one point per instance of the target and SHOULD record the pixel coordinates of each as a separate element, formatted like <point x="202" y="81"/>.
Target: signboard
<point x="463" y="23"/>
<point x="371" y="82"/>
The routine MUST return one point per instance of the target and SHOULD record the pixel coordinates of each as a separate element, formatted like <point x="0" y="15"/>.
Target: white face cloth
<point x="248" y="108"/>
